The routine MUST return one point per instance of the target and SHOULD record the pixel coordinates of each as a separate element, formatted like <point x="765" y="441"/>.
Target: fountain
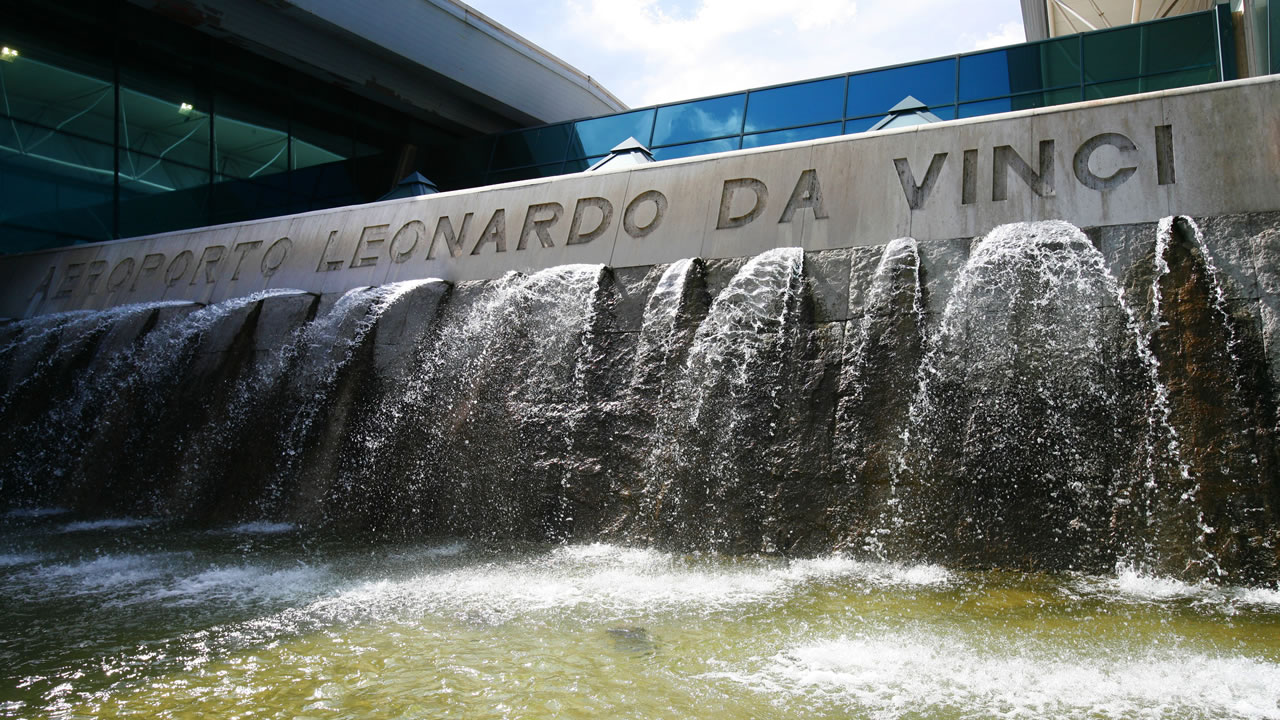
<point x="760" y="485"/>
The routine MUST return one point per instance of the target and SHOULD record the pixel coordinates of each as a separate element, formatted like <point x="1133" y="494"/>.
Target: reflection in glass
<point x="1020" y="69"/>
<point x="164" y="143"/>
<point x="57" y="166"/>
<point x="599" y="135"/>
<point x="873" y="93"/>
<point x="698" y="148"/>
<point x="699" y="120"/>
<point x="792" y="105"/>
<point x="777" y="137"/>
<point x="1177" y="43"/>
<point x="245" y="151"/>
<point x="531" y="147"/>
<point x="1112" y="55"/>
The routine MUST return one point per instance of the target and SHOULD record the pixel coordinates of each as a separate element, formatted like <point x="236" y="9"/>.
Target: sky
<point x="656" y="51"/>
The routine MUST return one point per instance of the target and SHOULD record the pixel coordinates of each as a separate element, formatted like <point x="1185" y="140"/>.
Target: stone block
<point x="829" y="280"/>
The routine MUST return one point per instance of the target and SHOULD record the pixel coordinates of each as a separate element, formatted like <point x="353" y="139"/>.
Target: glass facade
<point x="139" y="125"/>
<point x="115" y="122"/>
<point x="1174" y="52"/>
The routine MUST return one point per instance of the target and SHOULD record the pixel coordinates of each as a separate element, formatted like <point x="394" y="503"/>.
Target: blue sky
<point x="653" y="51"/>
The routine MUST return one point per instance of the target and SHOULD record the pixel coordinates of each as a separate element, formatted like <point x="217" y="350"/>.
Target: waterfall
<point x="882" y="355"/>
<point x="715" y="471"/>
<point x="1031" y="412"/>
<point x="1074" y="404"/>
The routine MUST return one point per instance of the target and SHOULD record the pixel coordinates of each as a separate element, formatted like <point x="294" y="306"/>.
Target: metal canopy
<point x="1067" y="17"/>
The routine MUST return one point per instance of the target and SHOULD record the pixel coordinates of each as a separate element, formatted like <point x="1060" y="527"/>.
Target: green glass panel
<point x="599" y="135"/>
<point x="1273" y="13"/>
<point x="245" y="149"/>
<point x="1112" y="89"/>
<point x="1180" y="42"/>
<point x="164" y="143"/>
<point x="1181" y="78"/>
<point x="537" y="146"/>
<point x="1113" y="54"/>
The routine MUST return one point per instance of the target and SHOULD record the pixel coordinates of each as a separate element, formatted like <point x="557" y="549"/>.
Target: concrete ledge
<point x="1209" y="150"/>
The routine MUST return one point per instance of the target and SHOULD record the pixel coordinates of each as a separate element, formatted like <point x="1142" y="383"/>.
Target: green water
<point x="140" y="620"/>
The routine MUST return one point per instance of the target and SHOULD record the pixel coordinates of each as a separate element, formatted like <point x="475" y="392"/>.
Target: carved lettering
<point x="454" y="241"/>
<point x="45" y="285"/>
<point x="370" y="236"/>
<point x="69" y="281"/>
<point x="96" y="268"/>
<point x="209" y="260"/>
<point x="576" y="236"/>
<point x="1086" y="176"/>
<point x="171" y="278"/>
<point x="726" y="220"/>
<point x="540" y="226"/>
<point x="326" y="264"/>
<point x="117" y="279"/>
<point x="275" y="256"/>
<point x="969" y="179"/>
<point x="150" y="264"/>
<point x="807" y="194"/>
<point x="918" y="194"/>
<point x="247" y="245"/>
<point x="1005" y="158"/>
<point x="648" y="197"/>
<point x="415" y="230"/>
<point x="1164" y="155"/>
<point x="495" y="231"/>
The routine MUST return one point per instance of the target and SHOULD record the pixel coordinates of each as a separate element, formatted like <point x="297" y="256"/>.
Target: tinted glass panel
<point x="793" y="105"/>
<point x="699" y="120"/>
<point x="875" y="92"/>
<point x="1183" y="78"/>
<point x="1273" y="11"/>
<point x="1020" y="69"/>
<point x="860" y="124"/>
<point x="778" y="137"/>
<point x="702" y="148"/>
<point x="248" y="143"/>
<point x="598" y="136"/>
<point x="531" y="147"/>
<point x="1180" y="42"/>
<point x="1112" y="89"/>
<point x="1112" y="55"/>
<point x="527" y="173"/>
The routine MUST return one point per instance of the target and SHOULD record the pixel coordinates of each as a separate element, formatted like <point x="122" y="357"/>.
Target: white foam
<point x="15" y="559"/>
<point x="107" y="572"/>
<point x="240" y="583"/>
<point x="108" y="524"/>
<point x="262" y="527"/>
<point x="894" y="674"/>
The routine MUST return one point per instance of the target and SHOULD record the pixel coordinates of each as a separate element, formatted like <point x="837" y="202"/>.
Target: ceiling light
<point x="8" y="54"/>
<point x="185" y="109"/>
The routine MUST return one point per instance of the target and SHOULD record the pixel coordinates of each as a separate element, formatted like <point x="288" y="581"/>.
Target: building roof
<point x="439" y="59"/>
<point x="1053" y="18"/>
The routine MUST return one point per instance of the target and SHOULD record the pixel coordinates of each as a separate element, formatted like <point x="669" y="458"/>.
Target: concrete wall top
<point x="1207" y="150"/>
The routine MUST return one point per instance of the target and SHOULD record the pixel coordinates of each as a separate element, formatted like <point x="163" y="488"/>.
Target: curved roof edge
<point x="441" y="58"/>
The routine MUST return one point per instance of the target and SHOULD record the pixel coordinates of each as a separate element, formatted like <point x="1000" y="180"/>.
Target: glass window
<point x="698" y="148"/>
<point x="1273" y="11"/>
<point x="1112" y="89"/>
<point x="1020" y="69"/>
<point x="531" y="147"/>
<point x="778" y="137"/>
<point x="1180" y="42"/>
<point x="792" y="105"/>
<point x="1181" y="78"/>
<point x="860" y="125"/>
<point x="57" y="164"/>
<point x="1113" y="54"/>
<point x="699" y="120"/>
<point x="164" y="142"/>
<point x="526" y="173"/>
<point x="248" y="143"/>
<point x="599" y="135"/>
<point x="873" y="93"/>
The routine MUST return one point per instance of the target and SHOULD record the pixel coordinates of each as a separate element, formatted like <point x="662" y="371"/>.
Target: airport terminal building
<point x="125" y="118"/>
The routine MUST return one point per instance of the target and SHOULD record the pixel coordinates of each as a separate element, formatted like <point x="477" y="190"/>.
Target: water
<point x="1035" y="481"/>
<point x="160" y="622"/>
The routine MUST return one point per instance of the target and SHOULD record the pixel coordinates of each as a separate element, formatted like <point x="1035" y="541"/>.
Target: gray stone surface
<point x="1109" y="167"/>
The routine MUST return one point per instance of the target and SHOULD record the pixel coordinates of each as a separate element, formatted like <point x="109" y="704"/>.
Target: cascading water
<point x="1033" y="411"/>
<point x="264" y="500"/>
<point x="478" y="440"/>
<point x="716" y="471"/>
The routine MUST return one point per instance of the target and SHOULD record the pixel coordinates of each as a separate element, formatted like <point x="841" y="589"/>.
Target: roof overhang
<point x="1053" y="18"/>
<point x="437" y="58"/>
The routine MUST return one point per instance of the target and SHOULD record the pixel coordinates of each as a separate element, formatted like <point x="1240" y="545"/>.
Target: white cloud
<point x="1010" y="33"/>
<point x="655" y="51"/>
